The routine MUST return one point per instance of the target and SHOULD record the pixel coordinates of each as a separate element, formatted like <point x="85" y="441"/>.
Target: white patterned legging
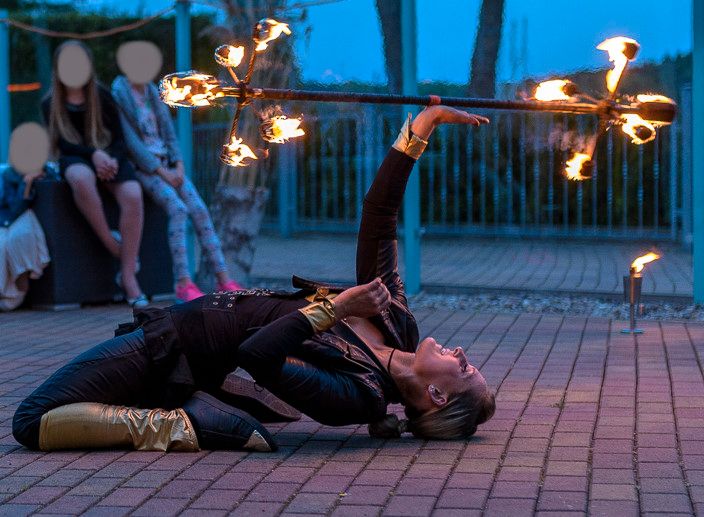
<point x="179" y="204"/>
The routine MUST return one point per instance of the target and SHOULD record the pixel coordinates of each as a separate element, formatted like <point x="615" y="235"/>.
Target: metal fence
<point x="502" y="179"/>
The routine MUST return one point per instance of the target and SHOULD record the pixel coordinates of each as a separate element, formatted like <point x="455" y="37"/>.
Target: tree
<point x="482" y="75"/>
<point x="390" y="18"/>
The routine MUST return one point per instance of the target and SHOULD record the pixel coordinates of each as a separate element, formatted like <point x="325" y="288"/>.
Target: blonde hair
<point x="95" y="133"/>
<point x="457" y="419"/>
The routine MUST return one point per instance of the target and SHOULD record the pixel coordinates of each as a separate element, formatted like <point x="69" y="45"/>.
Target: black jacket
<point x="331" y="376"/>
<point x="12" y="200"/>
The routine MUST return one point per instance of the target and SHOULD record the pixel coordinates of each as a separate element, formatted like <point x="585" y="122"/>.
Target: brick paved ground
<point x="594" y="268"/>
<point x="587" y="420"/>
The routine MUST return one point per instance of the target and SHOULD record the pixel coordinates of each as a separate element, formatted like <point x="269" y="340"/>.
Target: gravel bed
<point x="556" y="304"/>
<point x="544" y="303"/>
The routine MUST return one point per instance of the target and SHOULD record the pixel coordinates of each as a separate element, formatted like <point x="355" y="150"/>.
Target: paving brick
<point x="161" y="506"/>
<point x="366" y="495"/>
<point x="515" y="489"/>
<point x="562" y="501"/>
<point x="513" y="507"/>
<point x="214" y="499"/>
<point x="565" y="483"/>
<point x="107" y="511"/>
<point x="409" y="506"/>
<point x="187" y="488"/>
<point x="462" y="498"/>
<point x="613" y="492"/>
<point x="38" y="495"/>
<point x="356" y="511"/>
<point x="465" y="480"/>
<point x="308" y="503"/>
<point x="70" y="504"/>
<point x="618" y="476"/>
<point x="325" y="484"/>
<point x="260" y="509"/>
<point x="14" y="510"/>
<point x="132" y="497"/>
<point x="95" y="486"/>
<point x="149" y="479"/>
<point x="666" y="503"/>
<point x="272" y="492"/>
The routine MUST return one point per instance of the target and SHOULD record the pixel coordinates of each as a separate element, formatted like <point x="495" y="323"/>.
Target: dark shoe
<point x="257" y="400"/>
<point x="221" y="426"/>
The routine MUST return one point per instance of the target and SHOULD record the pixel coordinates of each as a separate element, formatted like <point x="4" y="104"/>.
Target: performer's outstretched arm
<point x="377" y="249"/>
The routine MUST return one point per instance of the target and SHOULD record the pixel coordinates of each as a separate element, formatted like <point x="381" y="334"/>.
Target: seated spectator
<point x="85" y="132"/>
<point x="23" y="251"/>
<point x="151" y="142"/>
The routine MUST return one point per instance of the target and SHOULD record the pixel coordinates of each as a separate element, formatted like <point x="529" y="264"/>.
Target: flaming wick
<point x="237" y="154"/>
<point x="621" y="50"/>
<point x="641" y="261"/>
<point x="279" y="129"/>
<point x="555" y="90"/>
<point x="573" y="167"/>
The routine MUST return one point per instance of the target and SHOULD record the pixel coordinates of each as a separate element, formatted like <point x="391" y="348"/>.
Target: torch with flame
<point x="632" y="286"/>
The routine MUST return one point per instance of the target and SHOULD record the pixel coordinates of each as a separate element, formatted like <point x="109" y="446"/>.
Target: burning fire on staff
<point x="638" y="117"/>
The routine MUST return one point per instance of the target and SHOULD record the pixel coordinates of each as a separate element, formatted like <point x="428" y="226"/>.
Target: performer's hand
<point x="363" y="301"/>
<point x="428" y="119"/>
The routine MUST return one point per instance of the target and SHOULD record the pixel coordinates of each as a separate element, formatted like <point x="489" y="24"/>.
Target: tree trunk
<point x="390" y="17"/>
<point x="482" y="78"/>
<point x="237" y="213"/>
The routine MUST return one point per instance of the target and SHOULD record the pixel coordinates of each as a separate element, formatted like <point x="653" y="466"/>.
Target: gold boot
<point x="89" y="425"/>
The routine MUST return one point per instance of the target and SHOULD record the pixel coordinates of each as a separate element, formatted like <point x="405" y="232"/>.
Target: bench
<point x="81" y="270"/>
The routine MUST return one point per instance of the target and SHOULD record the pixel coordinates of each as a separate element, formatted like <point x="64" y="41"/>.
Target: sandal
<point x="138" y="302"/>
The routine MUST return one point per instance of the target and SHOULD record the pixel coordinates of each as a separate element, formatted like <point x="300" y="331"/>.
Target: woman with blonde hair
<point x="85" y="134"/>
<point x="340" y="356"/>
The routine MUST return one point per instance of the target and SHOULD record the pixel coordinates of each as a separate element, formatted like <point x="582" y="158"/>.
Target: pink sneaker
<point x="188" y="292"/>
<point x="229" y="286"/>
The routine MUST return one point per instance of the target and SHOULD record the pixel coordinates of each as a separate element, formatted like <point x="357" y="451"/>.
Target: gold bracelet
<point x="320" y="313"/>
<point x="408" y="143"/>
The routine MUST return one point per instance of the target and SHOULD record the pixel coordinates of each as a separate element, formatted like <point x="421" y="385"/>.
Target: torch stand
<point x="632" y="285"/>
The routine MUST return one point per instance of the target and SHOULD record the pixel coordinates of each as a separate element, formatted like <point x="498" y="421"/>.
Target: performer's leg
<point x="90" y="425"/>
<point x="114" y="372"/>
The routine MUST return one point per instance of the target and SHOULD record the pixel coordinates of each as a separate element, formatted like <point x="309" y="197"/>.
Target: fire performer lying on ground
<point x="338" y="355"/>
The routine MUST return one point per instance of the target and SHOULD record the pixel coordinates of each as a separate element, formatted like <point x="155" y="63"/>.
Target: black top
<point x="77" y="116"/>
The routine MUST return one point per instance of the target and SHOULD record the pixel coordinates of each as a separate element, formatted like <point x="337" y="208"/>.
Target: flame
<point x="617" y="47"/>
<point x="640" y="130"/>
<point x="189" y="89"/>
<point x="650" y="97"/>
<point x="552" y="90"/>
<point x="237" y="154"/>
<point x="280" y="129"/>
<point x="641" y="261"/>
<point x="229" y="55"/>
<point x="573" y="167"/>
<point x="268" y="30"/>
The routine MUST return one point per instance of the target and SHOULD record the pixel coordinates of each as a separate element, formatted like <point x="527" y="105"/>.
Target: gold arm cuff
<point x="320" y="313"/>
<point x="408" y="143"/>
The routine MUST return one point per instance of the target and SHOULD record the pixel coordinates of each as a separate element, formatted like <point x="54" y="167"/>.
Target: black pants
<point x="114" y="372"/>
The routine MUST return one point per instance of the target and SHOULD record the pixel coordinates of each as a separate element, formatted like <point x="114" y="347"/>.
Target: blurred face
<point x="446" y="369"/>
<point x="74" y="67"/>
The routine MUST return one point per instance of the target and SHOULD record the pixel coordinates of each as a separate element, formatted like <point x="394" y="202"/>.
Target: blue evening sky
<point x="560" y="36"/>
